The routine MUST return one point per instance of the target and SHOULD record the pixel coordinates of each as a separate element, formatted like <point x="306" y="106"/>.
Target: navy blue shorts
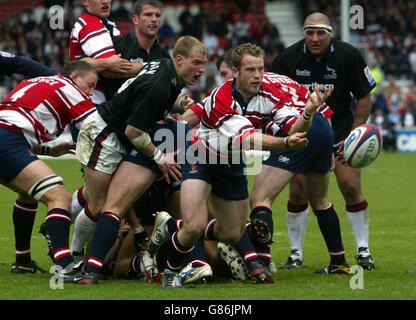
<point x="228" y="181"/>
<point x="154" y="200"/>
<point x="168" y="137"/>
<point x="315" y="157"/>
<point x="15" y="154"/>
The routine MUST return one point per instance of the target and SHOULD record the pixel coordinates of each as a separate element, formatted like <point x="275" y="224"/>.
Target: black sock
<point x="329" y="224"/>
<point x="105" y="234"/>
<point x="58" y="222"/>
<point x="23" y="220"/>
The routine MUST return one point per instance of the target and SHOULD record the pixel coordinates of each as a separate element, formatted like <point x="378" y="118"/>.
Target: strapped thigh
<point x="44" y="185"/>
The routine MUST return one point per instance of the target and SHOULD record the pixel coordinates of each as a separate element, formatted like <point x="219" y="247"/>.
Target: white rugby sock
<point x="296" y="226"/>
<point x="77" y="204"/>
<point x="359" y="221"/>
<point x="83" y="229"/>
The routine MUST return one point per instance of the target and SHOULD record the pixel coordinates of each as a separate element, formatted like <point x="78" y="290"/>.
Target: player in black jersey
<point x="141" y="43"/>
<point x="125" y="123"/>
<point x="321" y="59"/>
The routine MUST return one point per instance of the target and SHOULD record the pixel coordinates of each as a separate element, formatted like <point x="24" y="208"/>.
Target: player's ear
<point x="74" y="75"/>
<point x="235" y="72"/>
<point x="135" y="19"/>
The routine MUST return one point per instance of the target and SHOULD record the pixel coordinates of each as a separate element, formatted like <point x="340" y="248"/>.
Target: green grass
<point x="388" y="185"/>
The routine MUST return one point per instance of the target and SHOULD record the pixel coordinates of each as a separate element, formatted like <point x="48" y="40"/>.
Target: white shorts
<point x="98" y="146"/>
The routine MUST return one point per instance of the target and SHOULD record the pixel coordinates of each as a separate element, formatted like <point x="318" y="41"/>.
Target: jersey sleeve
<point x="95" y="40"/>
<point x="7" y="63"/>
<point x="363" y="81"/>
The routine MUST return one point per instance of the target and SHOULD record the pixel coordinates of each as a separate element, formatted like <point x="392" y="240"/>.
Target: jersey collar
<point x="173" y="75"/>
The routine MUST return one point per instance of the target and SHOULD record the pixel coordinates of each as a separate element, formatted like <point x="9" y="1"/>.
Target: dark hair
<point x="138" y="5"/>
<point x="77" y="65"/>
<point x="226" y="57"/>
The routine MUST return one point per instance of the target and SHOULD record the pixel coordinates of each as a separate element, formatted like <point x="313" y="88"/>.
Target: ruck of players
<point x="164" y="195"/>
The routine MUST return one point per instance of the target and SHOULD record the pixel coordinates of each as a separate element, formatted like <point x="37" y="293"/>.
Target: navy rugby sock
<point x="197" y="255"/>
<point x="23" y="220"/>
<point x="329" y="225"/>
<point x="105" y="234"/>
<point x="57" y="223"/>
<point x="246" y="249"/>
<point x="177" y="254"/>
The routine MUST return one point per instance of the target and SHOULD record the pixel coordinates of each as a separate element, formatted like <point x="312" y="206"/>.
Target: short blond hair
<point x="186" y="44"/>
<point x="245" y="49"/>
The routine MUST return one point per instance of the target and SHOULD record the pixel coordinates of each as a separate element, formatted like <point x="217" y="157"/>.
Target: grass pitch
<point x="388" y="186"/>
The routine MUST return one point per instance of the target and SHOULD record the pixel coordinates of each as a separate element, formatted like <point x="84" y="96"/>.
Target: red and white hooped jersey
<point x="226" y="121"/>
<point x="40" y="108"/>
<point x="91" y="38"/>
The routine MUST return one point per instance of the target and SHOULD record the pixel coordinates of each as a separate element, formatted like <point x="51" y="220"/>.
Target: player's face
<point x="100" y="8"/>
<point x="226" y="72"/>
<point x="87" y="82"/>
<point x="250" y="75"/>
<point x="148" y="22"/>
<point x="192" y="67"/>
<point x="317" y="41"/>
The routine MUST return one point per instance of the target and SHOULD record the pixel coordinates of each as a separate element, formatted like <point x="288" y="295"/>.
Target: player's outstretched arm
<point x="296" y="141"/>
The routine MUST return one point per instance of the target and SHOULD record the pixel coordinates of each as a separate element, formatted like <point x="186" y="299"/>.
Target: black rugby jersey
<point x="342" y="67"/>
<point x="129" y="48"/>
<point x="143" y="100"/>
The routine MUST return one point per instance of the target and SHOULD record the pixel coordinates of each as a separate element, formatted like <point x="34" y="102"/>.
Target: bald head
<point x="316" y="18"/>
<point x="318" y="34"/>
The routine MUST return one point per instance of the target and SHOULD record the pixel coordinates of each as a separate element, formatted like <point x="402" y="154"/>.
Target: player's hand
<point x="175" y="117"/>
<point x="316" y="99"/>
<point x="186" y="102"/>
<point x="339" y="154"/>
<point x="63" y="148"/>
<point x="171" y="169"/>
<point x="118" y="64"/>
<point x="298" y="141"/>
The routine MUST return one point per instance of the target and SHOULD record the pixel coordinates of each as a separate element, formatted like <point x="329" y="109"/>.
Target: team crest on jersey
<point x="193" y="168"/>
<point x="332" y="75"/>
<point x="303" y="73"/>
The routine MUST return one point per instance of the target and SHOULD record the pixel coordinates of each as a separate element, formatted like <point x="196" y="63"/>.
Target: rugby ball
<point x="362" y="146"/>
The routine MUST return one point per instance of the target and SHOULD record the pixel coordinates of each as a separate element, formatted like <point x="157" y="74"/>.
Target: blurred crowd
<point x="389" y="35"/>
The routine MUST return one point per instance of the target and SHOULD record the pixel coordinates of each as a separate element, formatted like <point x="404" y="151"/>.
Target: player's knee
<point x="351" y="191"/>
<point x="297" y="193"/>
<point x="195" y="229"/>
<point x="229" y="235"/>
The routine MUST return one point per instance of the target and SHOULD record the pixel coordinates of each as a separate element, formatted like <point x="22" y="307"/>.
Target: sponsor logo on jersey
<point x="311" y="86"/>
<point x="369" y="76"/>
<point x="303" y="73"/>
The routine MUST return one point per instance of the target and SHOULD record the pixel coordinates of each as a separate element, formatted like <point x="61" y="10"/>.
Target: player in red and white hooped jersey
<point x="41" y="107"/>
<point x="91" y="37"/>
<point x="34" y="112"/>
<point x="230" y="116"/>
